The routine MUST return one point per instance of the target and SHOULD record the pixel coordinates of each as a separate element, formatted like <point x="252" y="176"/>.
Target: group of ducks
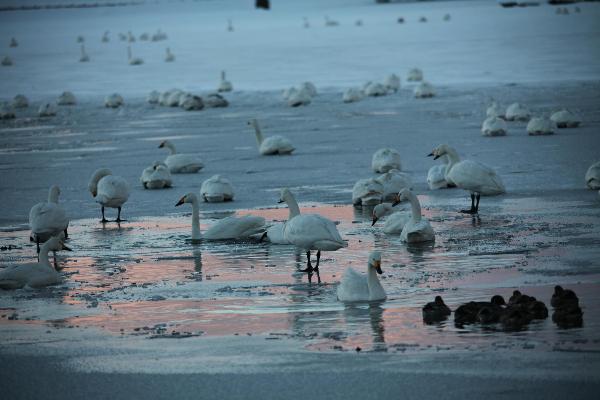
<point x="520" y="310"/>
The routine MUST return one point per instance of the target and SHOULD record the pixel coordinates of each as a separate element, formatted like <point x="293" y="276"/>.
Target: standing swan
<point x="310" y="232"/>
<point x="358" y="287"/>
<point x="417" y="229"/>
<point x="109" y="190"/>
<point x="170" y="57"/>
<point x="273" y="144"/>
<point x="36" y="274"/>
<point x="133" y="60"/>
<point x="180" y="163"/>
<point x="232" y="227"/>
<point x="225" y="85"/>
<point x="477" y="178"/>
<point x="84" y="57"/>
<point x="47" y="220"/>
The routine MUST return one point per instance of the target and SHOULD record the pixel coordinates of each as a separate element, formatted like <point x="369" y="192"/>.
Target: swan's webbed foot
<point x="309" y="268"/>
<point x="472" y="211"/>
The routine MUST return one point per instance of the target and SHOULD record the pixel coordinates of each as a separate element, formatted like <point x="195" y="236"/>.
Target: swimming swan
<point x="48" y="219"/>
<point x="310" y="232"/>
<point x="113" y="101"/>
<point x="358" y="287"/>
<point x="417" y="229"/>
<point x="109" y="191"/>
<point x="156" y="176"/>
<point x="394" y="223"/>
<point x="565" y="119"/>
<point x="273" y="144"/>
<point x="37" y="274"/>
<point x="228" y="228"/>
<point x="216" y="189"/>
<point x="470" y="175"/>
<point x="180" y="163"/>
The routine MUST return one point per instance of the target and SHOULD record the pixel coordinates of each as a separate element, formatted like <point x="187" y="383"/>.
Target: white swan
<point x="469" y="175"/>
<point x="393" y="182"/>
<point x="375" y="89"/>
<point x="310" y="232"/>
<point x="169" y="57"/>
<point x="271" y="145"/>
<point x="358" y="287"/>
<point x="216" y="189"/>
<point x="309" y="87"/>
<point x="156" y="176"/>
<point x="565" y="119"/>
<point x="20" y="101"/>
<point x="225" y="85"/>
<point x="153" y="97"/>
<point x="385" y="159"/>
<point x="84" y="56"/>
<point x="494" y="110"/>
<point x="298" y="98"/>
<point x="424" y="90"/>
<point x="48" y="219"/>
<point x="394" y="222"/>
<point x="190" y="102"/>
<point x="417" y="229"/>
<point x="352" y="95"/>
<point x="540" y="126"/>
<point x="245" y="227"/>
<point x="415" y="75"/>
<point x="516" y="112"/>
<point x="7" y="61"/>
<point x="105" y="38"/>
<point x="493" y="126"/>
<point x="592" y="176"/>
<point x="109" y="191"/>
<point x="47" y="110"/>
<point x="133" y="60"/>
<point x="180" y="163"/>
<point x="36" y="274"/>
<point x="66" y="99"/>
<point x="113" y="101"/>
<point x="392" y="83"/>
<point x="367" y="192"/>
<point x="13" y="42"/>
<point x="215" y="100"/>
<point x="436" y="176"/>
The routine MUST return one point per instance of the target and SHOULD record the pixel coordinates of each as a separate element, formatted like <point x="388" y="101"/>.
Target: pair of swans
<point x="473" y="176"/>
<point x="216" y="189"/>
<point x="271" y="145"/>
<point x="37" y="274"/>
<point x="156" y="176"/>
<point x="225" y="85"/>
<point x="48" y="219"/>
<point x="109" y="191"/>
<point x="180" y="163"/>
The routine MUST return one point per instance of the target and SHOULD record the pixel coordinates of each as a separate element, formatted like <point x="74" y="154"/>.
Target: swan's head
<point x="285" y="195"/>
<point x="253" y="122"/>
<point x="375" y="261"/>
<point x="55" y="243"/>
<point x="188" y="198"/>
<point x="158" y="164"/>
<point x="164" y="143"/>
<point x="439" y="151"/>
<point x="54" y="192"/>
<point x="402" y="196"/>
<point x="379" y="211"/>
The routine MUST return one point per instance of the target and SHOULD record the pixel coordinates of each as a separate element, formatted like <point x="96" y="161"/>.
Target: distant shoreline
<point x="70" y="5"/>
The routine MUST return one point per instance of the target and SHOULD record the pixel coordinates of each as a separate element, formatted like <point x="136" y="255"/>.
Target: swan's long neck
<point x="293" y="206"/>
<point x="171" y="148"/>
<point x="259" y="136"/>
<point x="101" y="173"/>
<point x="223" y="72"/>
<point x="453" y="157"/>
<point x="416" y="207"/>
<point x="53" y="196"/>
<point x="372" y="280"/>
<point x="44" y="259"/>
<point x="196" y="234"/>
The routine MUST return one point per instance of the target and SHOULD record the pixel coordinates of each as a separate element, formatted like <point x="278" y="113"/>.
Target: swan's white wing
<point x="235" y="228"/>
<point x="353" y="286"/>
<point x="17" y="276"/>
<point x="275" y="233"/>
<point x="146" y="173"/>
<point x="276" y="145"/>
<point x="47" y="219"/>
<point x="395" y="223"/>
<point x="436" y="177"/>
<point x="417" y="232"/>
<point x="476" y="177"/>
<point x="113" y="191"/>
<point x="184" y="163"/>
<point x="313" y="231"/>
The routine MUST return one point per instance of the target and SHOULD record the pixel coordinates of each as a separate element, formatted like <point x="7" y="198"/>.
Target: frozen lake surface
<point x="142" y="307"/>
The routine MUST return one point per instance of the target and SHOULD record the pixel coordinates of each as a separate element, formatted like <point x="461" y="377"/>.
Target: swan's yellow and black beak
<point x="180" y="202"/>
<point x="65" y="247"/>
<point x="377" y="266"/>
<point x="436" y="157"/>
<point x="375" y="219"/>
<point x="396" y="201"/>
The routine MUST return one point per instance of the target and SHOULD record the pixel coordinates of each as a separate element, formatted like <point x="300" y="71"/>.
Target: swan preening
<point x="309" y="232"/>
<point x="47" y="110"/>
<point x="517" y="112"/>
<point x="415" y="75"/>
<point x="180" y="163"/>
<point x="48" y="219"/>
<point x="156" y="176"/>
<point x="385" y="159"/>
<point x="20" y="101"/>
<point x="84" y="56"/>
<point x="245" y="227"/>
<point x="66" y="99"/>
<point x="395" y="220"/>
<point x="271" y="145"/>
<point x="540" y="126"/>
<point x="131" y="59"/>
<point x="225" y="85"/>
<point x="113" y="101"/>
<point x="169" y="57"/>
<point x="436" y="176"/>
<point x="565" y="119"/>
<point x="424" y="90"/>
<point x="109" y="191"/>
<point x="494" y="126"/>
<point x="417" y="229"/>
<point x="216" y="189"/>
<point x="475" y="177"/>
<point x="592" y="176"/>
<point x="358" y="287"/>
<point x="37" y="274"/>
<point x="7" y="61"/>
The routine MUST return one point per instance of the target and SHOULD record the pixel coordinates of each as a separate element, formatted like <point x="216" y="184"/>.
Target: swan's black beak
<point x="65" y="247"/>
<point x="396" y="201"/>
<point x="377" y="266"/>
<point x="374" y="220"/>
<point x="180" y="202"/>
<point x="94" y="194"/>
<point x="161" y="145"/>
<point x="280" y="201"/>
<point x="436" y="157"/>
<point x="430" y="154"/>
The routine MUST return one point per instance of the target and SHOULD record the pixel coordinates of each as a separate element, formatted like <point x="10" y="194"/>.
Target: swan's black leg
<point x="119" y="215"/>
<point x="477" y="204"/>
<point x="316" y="269"/>
<point x="66" y="234"/>
<point x="103" y="219"/>
<point x="37" y="242"/>
<point x="55" y="263"/>
<point x="309" y="267"/>
<point x="472" y="210"/>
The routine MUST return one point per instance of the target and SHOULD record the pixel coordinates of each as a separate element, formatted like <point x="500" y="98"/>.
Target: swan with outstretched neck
<point x="271" y="145"/>
<point x="358" y="287"/>
<point x="417" y="229"/>
<point x="309" y="232"/>
<point x="244" y="227"/>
